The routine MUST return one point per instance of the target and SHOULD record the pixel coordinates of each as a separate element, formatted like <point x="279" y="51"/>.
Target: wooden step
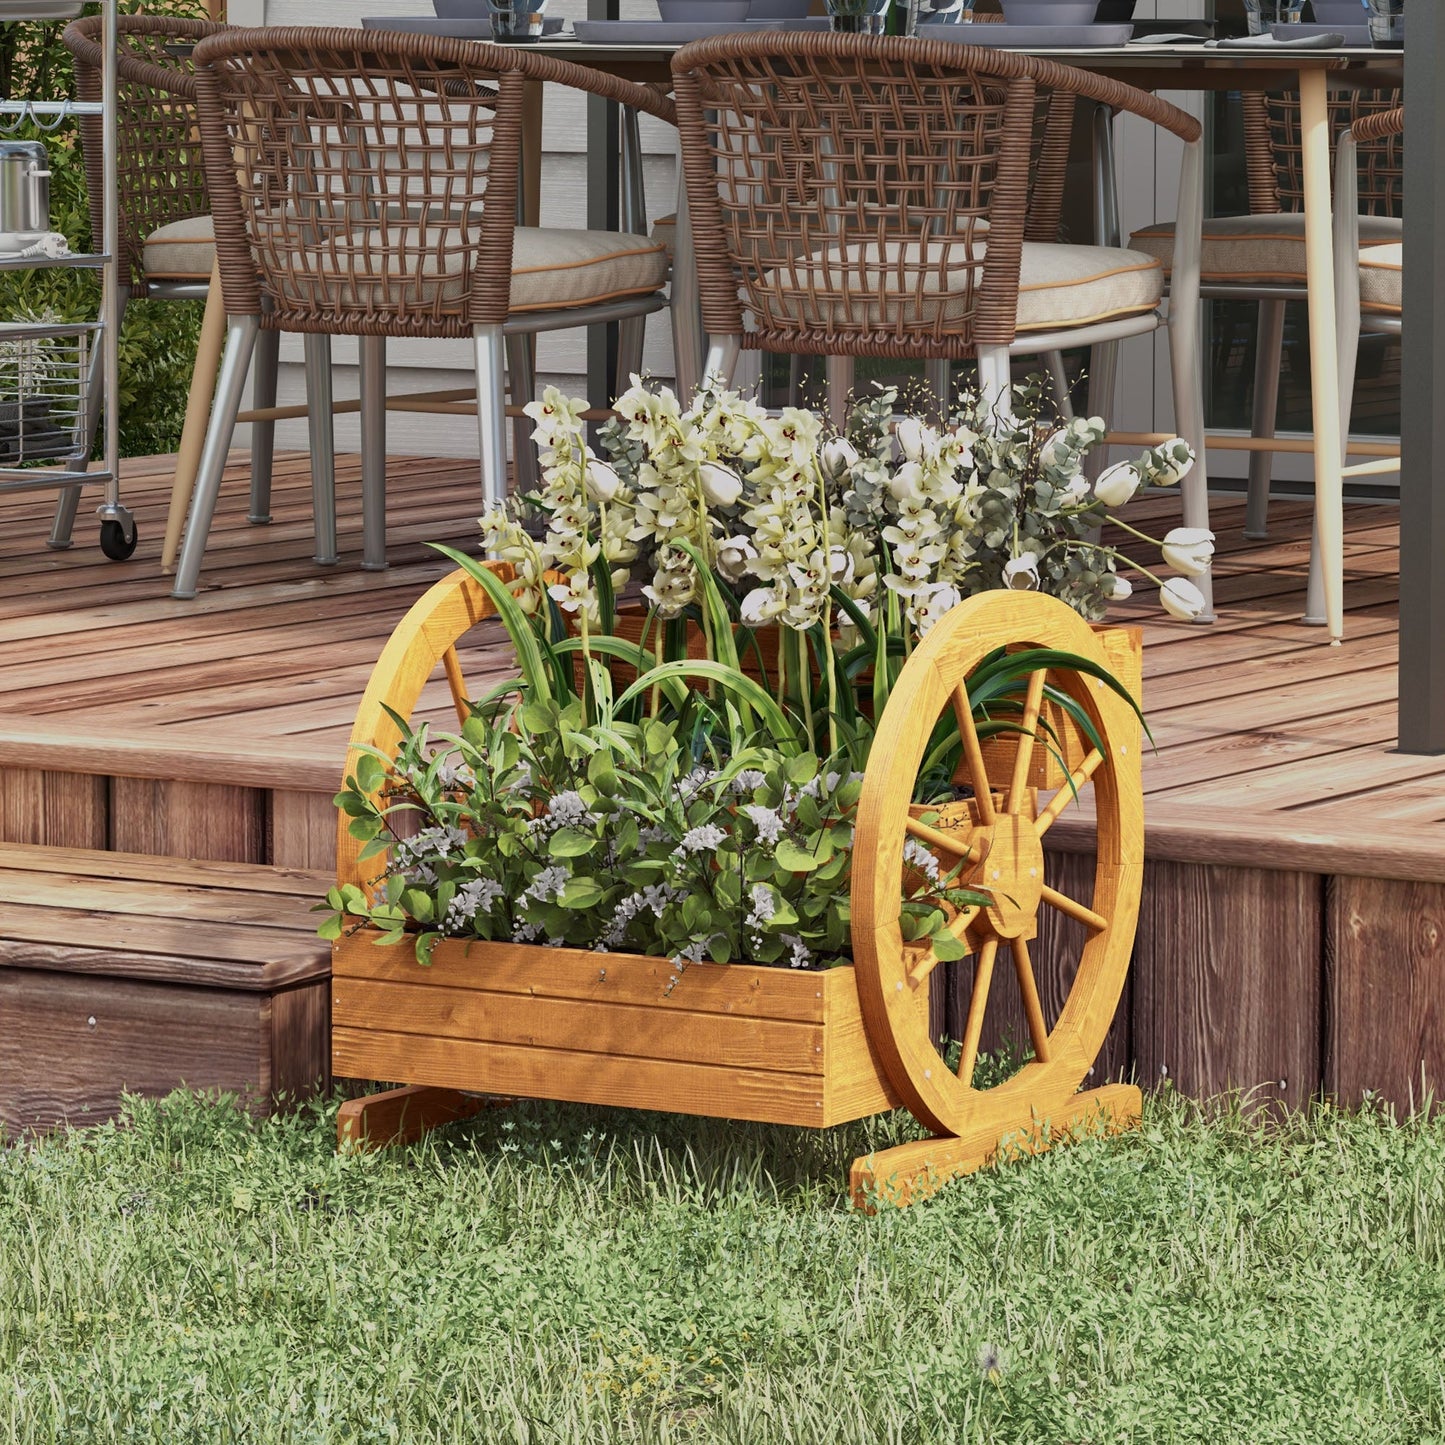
<point x="127" y="973"/>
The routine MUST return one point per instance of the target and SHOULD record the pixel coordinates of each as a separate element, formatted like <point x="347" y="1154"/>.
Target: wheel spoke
<point x="458" y="685"/>
<point x="977" y="1006"/>
<point x="1033" y="1009"/>
<point x="949" y="843"/>
<point x="973" y="756"/>
<point x="1065" y="795"/>
<point x="1077" y="911"/>
<point x="1023" y="755"/>
<point x="927" y="960"/>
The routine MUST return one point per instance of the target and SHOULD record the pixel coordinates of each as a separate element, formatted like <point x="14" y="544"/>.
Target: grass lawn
<point x="580" y="1275"/>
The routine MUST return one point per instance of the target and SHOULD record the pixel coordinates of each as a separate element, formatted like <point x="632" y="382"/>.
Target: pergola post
<point x="1422" y="400"/>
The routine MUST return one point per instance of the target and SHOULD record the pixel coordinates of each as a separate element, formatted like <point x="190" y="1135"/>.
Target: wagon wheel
<point x="998" y="835"/>
<point x="422" y="651"/>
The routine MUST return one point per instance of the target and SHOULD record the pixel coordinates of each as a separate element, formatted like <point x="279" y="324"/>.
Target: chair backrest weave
<point x="159" y="172"/>
<point x="362" y="182"/>
<point x="836" y="186"/>
<point x="1273" y="151"/>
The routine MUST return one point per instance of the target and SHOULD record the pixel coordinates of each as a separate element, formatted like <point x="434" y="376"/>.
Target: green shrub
<point x="158" y="338"/>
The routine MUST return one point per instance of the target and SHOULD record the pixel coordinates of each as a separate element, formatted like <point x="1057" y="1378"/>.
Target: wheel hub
<point x="1012" y="870"/>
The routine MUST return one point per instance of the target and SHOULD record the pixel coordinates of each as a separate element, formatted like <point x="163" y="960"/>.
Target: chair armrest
<point x="1379" y="125"/>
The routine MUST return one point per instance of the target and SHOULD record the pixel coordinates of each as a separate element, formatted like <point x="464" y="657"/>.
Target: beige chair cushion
<point x="1059" y="285"/>
<point x="664" y="232"/>
<point x="1255" y="248"/>
<point x="551" y="269"/>
<point x="1380" y="279"/>
<point x="182" y="251"/>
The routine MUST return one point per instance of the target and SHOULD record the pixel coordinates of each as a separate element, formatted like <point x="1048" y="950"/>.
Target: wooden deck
<point x="1295" y="910"/>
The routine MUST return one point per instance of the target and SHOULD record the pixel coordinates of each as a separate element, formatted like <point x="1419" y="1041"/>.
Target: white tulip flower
<point x="914" y="439"/>
<point x="837" y="456"/>
<point x="721" y="486"/>
<point x="733" y="556"/>
<point x="1117" y="484"/>
<point x="1022" y="573"/>
<point x="1123" y="588"/>
<point x="1188" y="550"/>
<point x="1182" y="599"/>
<point x="601" y="482"/>
<point x="1179" y="462"/>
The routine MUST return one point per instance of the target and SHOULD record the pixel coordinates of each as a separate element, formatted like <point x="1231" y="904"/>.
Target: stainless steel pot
<point x="24" y="193"/>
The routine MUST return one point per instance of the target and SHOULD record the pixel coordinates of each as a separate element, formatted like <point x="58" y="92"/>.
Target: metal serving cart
<point x="57" y="380"/>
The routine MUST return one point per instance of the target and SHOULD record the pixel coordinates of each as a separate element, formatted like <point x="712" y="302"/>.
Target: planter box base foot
<point x="911" y="1172"/>
<point x="401" y="1116"/>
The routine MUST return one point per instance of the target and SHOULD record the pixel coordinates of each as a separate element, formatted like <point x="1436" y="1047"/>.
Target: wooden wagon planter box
<point x="774" y="1045"/>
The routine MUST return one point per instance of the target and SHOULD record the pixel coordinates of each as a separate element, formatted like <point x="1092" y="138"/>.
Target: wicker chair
<point x="1261" y="256"/>
<point x="167" y="248"/>
<point x="365" y="183"/>
<point x="864" y="196"/>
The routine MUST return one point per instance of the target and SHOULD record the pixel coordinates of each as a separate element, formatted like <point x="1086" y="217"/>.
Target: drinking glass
<point x="1387" y="24"/>
<point x="858" y="17"/>
<point x="1261" y="14"/>
<point x="516" y="21"/>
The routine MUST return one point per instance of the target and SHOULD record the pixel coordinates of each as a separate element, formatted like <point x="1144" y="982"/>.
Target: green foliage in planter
<point x="158" y="338"/>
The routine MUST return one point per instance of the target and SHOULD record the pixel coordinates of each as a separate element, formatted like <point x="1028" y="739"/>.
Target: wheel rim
<point x="998" y="834"/>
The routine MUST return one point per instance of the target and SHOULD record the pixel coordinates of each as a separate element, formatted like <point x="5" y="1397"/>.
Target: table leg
<point x="198" y="412"/>
<point x="1324" y="364"/>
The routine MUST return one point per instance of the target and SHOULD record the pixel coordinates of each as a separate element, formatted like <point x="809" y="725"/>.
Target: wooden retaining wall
<point x="1283" y="966"/>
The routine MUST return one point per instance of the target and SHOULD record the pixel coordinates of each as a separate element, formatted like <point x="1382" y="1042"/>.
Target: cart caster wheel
<point x="118" y="541"/>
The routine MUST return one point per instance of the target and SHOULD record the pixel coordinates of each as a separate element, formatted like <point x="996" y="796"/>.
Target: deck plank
<point x="255" y="682"/>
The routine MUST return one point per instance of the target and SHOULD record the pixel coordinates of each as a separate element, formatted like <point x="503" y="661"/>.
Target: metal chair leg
<point x="631" y="332"/>
<point x="491" y="412"/>
<point x="722" y="358"/>
<point x="263" y="433"/>
<point x="521" y="350"/>
<point x="1268" y="353"/>
<point x="995" y="378"/>
<point x="240" y="343"/>
<point x="372" y="354"/>
<point x="936" y="379"/>
<point x="838" y="380"/>
<point x="321" y="431"/>
<point x="1063" y="396"/>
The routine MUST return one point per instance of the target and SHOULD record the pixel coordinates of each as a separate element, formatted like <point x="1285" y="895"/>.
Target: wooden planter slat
<point x="768" y="1044"/>
<point x="599" y="1027"/>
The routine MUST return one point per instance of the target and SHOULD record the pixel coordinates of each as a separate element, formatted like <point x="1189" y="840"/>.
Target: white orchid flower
<point x="1117" y="484"/>
<point x="1188" y="550"/>
<point x="721" y="486"/>
<point x="1021" y="573"/>
<point x="1182" y="599"/>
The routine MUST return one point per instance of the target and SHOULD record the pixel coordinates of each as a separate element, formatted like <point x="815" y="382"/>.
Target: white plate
<point x="664" y="32"/>
<point x="451" y="29"/>
<point x="1041" y="37"/>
